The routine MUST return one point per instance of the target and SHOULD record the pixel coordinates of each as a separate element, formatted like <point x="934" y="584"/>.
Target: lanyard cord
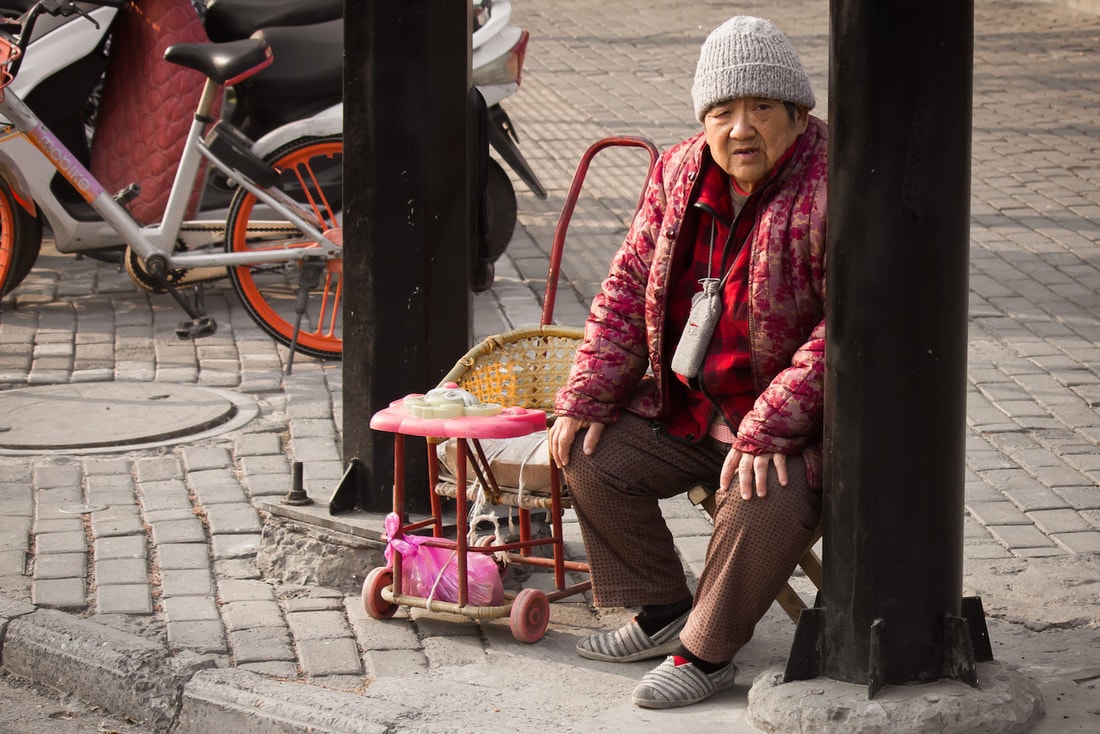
<point x="725" y="251"/>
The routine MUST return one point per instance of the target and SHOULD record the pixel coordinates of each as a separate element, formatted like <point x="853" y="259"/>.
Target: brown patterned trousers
<point x="753" y="549"/>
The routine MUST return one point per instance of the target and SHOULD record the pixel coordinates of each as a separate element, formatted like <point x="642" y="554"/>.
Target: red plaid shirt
<point x="727" y="372"/>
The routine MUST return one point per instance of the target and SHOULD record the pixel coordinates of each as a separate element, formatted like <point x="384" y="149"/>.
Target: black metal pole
<point x="407" y="86"/>
<point x="899" y="186"/>
<point x="899" y="191"/>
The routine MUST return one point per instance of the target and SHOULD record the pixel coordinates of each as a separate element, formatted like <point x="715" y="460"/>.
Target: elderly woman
<point x="703" y="361"/>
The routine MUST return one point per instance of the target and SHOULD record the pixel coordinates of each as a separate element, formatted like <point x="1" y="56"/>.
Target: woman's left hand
<point x="751" y="471"/>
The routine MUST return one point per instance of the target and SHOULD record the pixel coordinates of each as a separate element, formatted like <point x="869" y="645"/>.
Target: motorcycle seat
<point x="309" y="63"/>
<point x="225" y="63"/>
<point x="232" y="20"/>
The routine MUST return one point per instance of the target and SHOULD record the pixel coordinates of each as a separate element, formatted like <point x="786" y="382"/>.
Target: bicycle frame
<point x="160" y="239"/>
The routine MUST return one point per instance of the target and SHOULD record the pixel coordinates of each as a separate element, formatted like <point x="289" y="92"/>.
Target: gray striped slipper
<point x="630" y="643"/>
<point x="668" y="685"/>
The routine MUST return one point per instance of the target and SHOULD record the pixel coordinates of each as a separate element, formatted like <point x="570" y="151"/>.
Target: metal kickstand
<point x="309" y="277"/>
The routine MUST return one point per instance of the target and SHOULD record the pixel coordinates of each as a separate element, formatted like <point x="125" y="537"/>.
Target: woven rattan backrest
<point x="524" y="367"/>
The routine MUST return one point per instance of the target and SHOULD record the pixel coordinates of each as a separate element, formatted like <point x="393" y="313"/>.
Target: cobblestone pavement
<point x="173" y="555"/>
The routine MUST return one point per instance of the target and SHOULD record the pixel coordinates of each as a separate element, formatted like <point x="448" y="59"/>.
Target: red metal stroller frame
<point x="521" y="368"/>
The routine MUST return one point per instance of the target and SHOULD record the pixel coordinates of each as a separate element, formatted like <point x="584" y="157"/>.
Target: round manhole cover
<point x="102" y="416"/>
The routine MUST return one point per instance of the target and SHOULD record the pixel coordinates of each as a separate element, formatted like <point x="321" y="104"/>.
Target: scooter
<point x="309" y="65"/>
<point x="142" y="100"/>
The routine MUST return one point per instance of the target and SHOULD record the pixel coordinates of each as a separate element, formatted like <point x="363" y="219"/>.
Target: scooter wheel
<point x="484" y="275"/>
<point x="501" y="211"/>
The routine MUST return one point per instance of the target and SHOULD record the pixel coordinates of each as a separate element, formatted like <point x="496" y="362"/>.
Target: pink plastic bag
<point x="431" y="572"/>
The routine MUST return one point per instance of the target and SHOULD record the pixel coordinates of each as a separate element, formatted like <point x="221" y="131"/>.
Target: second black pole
<point x="408" y="137"/>
<point x="899" y="192"/>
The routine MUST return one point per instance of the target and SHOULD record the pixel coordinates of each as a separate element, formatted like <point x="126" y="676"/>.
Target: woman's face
<point x="748" y="135"/>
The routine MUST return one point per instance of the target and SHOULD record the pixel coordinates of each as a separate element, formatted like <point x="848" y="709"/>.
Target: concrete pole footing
<point x="1004" y="703"/>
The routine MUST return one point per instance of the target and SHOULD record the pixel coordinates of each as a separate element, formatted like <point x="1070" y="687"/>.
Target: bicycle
<point x="282" y="235"/>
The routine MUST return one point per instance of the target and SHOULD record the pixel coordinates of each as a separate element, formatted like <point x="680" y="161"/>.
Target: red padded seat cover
<point x="147" y="104"/>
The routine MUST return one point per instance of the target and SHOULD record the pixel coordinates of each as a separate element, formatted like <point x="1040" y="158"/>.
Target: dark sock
<point x="703" y="665"/>
<point x="655" y="617"/>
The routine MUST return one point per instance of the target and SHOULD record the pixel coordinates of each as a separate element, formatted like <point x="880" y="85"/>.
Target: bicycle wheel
<point x="20" y="240"/>
<point x="311" y="175"/>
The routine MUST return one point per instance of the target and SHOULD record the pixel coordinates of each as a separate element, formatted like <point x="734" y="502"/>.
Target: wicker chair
<point x="521" y="368"/>
<point x="524" y="368"/>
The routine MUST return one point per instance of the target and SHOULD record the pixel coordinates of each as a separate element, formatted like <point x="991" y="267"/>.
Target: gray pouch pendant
<point x="705" y="309"/>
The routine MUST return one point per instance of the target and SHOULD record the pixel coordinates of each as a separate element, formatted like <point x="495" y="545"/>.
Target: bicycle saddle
<point x="225" y="63"/>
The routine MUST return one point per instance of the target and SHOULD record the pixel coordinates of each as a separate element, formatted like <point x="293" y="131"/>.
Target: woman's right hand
<point x="563" y="432"/>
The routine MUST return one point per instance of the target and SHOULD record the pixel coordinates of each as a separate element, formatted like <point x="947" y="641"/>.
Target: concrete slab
<point x="238" y="700"/>
<point x="1005" y="702"/>
<point x="124" y="673"/>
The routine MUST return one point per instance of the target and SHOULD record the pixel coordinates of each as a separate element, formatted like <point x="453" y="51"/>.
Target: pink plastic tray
<point x="509" y="423"/>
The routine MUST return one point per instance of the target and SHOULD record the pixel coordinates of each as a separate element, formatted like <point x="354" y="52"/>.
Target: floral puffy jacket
<point x="621" y="363"/>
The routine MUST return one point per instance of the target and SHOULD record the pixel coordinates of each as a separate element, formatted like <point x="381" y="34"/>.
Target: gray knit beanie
<point x="748" y="57"/>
